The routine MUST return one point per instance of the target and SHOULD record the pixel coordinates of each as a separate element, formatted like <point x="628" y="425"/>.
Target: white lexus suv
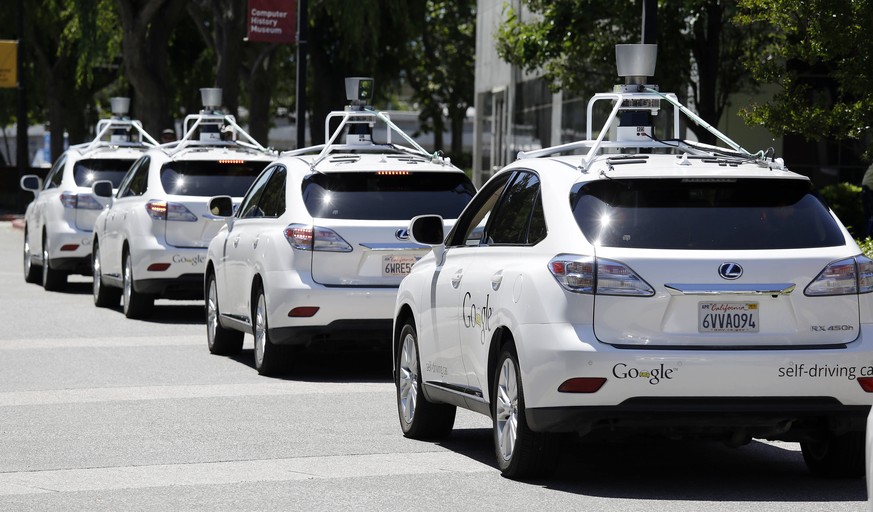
<point x="319" y="245"/>
<point x="151" y="241"/>
<point x="58" y="223"/>
<point x="645" y="284"/>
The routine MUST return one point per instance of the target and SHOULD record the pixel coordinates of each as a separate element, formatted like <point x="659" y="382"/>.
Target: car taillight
<point x="586" y="274"/>
<point x="80" y="201"/>
<point x="844" y="277"/>
<point x="162" y="210"/>
<point x="308" y="238"/>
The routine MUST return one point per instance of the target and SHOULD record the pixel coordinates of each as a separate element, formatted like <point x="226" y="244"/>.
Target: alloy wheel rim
<point x="408" y="379"/>
<point x="260" y="331"/>
<point x="507" y="409"/>
<point x="27" y="263"/>
<point x="45" y="264"/>
<point x="211" y="313"/>
<point x="127" y="285"/>
<point x="96" y="274"/>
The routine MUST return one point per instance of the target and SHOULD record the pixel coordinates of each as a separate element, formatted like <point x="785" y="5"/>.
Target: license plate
<point x="727" y="317"/>
<point x="397" y="266"/>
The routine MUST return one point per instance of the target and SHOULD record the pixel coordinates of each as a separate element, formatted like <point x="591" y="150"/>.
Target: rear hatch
<point x="189" y="185"/>
<point x="369" y="212"/>
<point x="719" y="263"/>
<point x="90" y="170"/>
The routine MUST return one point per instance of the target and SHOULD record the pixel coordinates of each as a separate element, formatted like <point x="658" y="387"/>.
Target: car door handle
<point x="456" y="279"/>
<point x="496" y="279"/>
<point x="235" y="242"/>
<point x="255" y="243"/>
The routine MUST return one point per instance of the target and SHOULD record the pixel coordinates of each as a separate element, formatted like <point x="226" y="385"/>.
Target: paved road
<point x="98" y="412"/>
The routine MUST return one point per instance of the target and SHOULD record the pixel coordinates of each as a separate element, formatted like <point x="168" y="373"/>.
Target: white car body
<point x="151" y="241"/>
<point x="341" y="291"/>
<point x="735" y="334"/>
<point x="60" y="220"/>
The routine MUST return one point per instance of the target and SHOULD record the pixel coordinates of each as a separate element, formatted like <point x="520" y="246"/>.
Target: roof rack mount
<point x="634" y="103"/>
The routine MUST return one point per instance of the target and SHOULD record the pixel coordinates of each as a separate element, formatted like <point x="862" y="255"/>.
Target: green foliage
<point x="866" y="246"/>
<point x="845" y="200"/>
<point x="820" y="54"/>
<point x="573" y="41"/>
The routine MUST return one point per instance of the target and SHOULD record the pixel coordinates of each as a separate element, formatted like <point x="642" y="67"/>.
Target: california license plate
<point x="397" y="266"/>
<point x="727" y="317"/>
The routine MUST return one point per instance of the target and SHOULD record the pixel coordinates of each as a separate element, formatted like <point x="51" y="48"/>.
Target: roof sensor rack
<point x="119" y="128"/>
<point x="357" y="122"/>
<point x="212" y="128"/>
<point x="634" y="103"/>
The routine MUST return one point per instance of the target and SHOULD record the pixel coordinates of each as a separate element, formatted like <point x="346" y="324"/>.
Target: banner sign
<point x="272" y="21"/>
<point x="8" y="64"/>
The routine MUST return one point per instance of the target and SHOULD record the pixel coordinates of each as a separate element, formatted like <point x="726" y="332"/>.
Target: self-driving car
<point x="316" y="249"/>
<point x="636" y="282"/>
<point x="151" y="241"/>
<point x="59" y="222"/>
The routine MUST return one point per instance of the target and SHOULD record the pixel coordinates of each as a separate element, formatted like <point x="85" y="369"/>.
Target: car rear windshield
<point x="703" y="214"/>
<point x="86" y="172"/>
<point x="210" y="178"/>
<point x="386" y="195"/>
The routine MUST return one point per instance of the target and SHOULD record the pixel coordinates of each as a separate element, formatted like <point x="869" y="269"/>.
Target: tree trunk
<point x="260" y="92"/>
<point x="147" y="27"/>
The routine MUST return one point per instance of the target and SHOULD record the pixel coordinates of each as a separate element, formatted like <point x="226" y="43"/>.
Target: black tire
<point x="419" y="418"/>
<point x="836" y="456"/>
<point x="53" y="280"/>
<point x="104" y="296"/>
<point x="32" y="273"/>
<point x="220" y="340"/>
<point x="269" y="358"/>
<point x="134" y="304"/>
<point x="521" y="452"/>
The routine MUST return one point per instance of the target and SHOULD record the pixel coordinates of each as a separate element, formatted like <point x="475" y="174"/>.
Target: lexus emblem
<point x="730" y="270"/>
<point x="402" y="234"/>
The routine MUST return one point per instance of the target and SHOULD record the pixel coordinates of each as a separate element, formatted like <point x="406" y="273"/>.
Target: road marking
<point x="223" y="473"/>
<point x="133" y="341"/>
<point x="90" y="395"/>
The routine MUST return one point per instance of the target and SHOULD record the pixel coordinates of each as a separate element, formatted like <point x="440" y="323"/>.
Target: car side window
<point x="56" y="174"/>
<point x="135" y="182"/>
<point x="250" y="209"/>
<point x="512" y="219"/>
<point x="273" y="199"/>
<point x="470" y="226"/>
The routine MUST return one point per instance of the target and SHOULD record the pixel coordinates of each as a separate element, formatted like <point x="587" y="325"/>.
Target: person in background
<point x="867" y="200"/>
<point x="168" y="135"/>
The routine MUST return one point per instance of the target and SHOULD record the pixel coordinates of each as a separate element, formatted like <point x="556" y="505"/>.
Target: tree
<point x="820" y="54"/>
<point x="361" y="38"/>
<point x="440" y="68"/>
<point x="148" y="26"/>
<point x="700" y="49"/>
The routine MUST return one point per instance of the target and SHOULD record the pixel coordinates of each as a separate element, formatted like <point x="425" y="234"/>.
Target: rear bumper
<point x="337" y="334"/>
<point x="707" y="389"/>
<point x="784" y="418"/>
<point x="184" y="287"/>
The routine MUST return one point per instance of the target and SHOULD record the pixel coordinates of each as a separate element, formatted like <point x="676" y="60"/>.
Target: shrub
<point x="845" y="200"/>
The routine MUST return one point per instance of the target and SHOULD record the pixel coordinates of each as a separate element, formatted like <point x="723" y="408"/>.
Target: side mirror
<point x="102" y="188"/>
<point x="31" y="183"/>
<point x="221" y="206"/>
<point x="427" y="230"/>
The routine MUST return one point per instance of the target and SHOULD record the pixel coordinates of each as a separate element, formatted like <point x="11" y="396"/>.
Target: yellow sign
<point x="8" y="64"/>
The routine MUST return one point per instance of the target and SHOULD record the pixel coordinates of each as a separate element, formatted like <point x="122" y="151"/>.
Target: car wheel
<point x="220" y="340"/>
<point x="419" y="418"/>
<point x="104" y="297"/>
<point x="836" y="456"/>
<point x="268" y="356"/>
<point x="52" y="279"/>
<point x="32" y="274"/>
<point x="521" y="452"/>
<point x="135" y="304"/>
